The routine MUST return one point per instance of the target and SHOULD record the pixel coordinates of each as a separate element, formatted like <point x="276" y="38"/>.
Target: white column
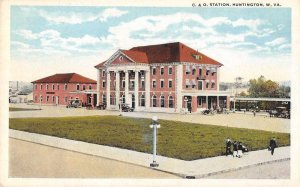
<point x="147" y="89"/>
<point x="98" y="86"/>
<point x="218" y="79"/>
<point x="179" y="77"/>
<point x="108" y="89"/>
<point x="117" y="88"/>
<point x="207" y="102"/>
<point x="126" y="87"/>
<point x="136" y="89"/>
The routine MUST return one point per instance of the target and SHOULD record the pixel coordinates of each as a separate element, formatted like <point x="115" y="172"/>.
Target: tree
<point x="264" y="88"/>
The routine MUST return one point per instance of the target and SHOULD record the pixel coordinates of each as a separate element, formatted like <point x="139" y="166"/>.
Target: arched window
<point x="142" y="100"/>
<point x="171" y="102"/>
<point x="154" y="101"/>
<point x="162" y="101"/>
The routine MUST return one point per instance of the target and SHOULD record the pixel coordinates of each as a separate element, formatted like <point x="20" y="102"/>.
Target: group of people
<point x="237" y="148"/>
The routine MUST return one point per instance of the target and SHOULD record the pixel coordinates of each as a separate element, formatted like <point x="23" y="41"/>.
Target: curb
<point x="239" y="168"/>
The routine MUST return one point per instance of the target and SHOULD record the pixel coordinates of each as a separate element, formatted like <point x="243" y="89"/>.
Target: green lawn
<point x="13" y="109"/>
<point x="180" y="140"/>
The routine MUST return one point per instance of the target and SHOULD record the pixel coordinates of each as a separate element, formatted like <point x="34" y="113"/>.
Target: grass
<point x="14" y="109"/>
<point x="186" y="141"/>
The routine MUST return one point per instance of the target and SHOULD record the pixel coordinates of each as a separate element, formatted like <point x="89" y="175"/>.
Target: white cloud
<point x="250" y="23"/>
<point x="276" y="42"/>
<point x="284" y="47"/>
<point x="78" y="18"/>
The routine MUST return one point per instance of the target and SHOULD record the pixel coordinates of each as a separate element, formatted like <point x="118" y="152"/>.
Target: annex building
<point x="169" y="77"/>
<point x="58" y="89"/>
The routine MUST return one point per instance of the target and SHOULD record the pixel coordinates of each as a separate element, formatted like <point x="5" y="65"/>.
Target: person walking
<point x="235" y="148"/>
<point x="228" y="146"/>
<point x="240" y="149"/>
<point x="273" y="145"/>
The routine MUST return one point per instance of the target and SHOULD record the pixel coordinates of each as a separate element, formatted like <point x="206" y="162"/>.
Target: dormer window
<point x="197" y="57"/>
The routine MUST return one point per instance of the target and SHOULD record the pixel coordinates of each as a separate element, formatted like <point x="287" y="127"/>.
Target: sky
<point x="249" y="42"/>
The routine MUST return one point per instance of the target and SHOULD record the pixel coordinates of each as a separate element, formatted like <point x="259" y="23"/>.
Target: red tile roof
<point x="166" y="53"/>
<point x="65" y="78"/>
<point x="137" y="56"/>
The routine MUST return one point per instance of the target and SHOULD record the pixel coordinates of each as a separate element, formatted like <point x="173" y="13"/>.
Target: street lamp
<point x="154" y="125"/>
<point x="185" y="104"/>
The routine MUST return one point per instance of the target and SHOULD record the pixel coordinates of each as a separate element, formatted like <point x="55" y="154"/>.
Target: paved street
<point x="240" y="120"/>
<point x="35" y="160"/>
<point x="277" y="170"/>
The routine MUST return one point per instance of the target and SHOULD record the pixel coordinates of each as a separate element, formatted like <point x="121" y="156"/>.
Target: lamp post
<point x="154" y="125"/>
<point x="40" y="103"/>
<point x="185" y="104"/>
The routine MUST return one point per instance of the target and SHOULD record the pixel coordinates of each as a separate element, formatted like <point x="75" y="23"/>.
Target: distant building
<point x="58" y="89"/>
<point x="168" y="77"/>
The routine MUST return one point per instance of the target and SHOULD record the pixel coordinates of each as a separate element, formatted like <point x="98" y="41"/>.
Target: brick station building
<point x="169" y="77"/>
<point x="58" y="89"/>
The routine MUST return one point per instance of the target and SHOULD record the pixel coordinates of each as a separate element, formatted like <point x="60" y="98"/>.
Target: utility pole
<point x="237" y="84"/>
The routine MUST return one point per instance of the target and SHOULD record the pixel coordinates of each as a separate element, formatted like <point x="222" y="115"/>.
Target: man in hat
<point x="273" y="145"/>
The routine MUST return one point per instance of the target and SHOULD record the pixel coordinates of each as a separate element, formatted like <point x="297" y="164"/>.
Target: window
<point x="131" y="85"/>
<point x="57" y="87"/>
<point x="104" y="99"/>
<point x="207" y="71"/>
<point x="187" y="70"/>
<point x="142" y="100"/>
<point x="194" y="70"/>
<point x="66" y="86"/>
<point x="83" y="87"/>
<point x="90" y="87"/>
<point x="199" y="100"/>
<point x="103" y="73"/>
<point x="143" y="84"/>
<point x="41" y="98"/>
<point x="66" y="99"/>
<point x="47" y="98"/>
<point x="162" y="101"/>
<point x="162" y="70"/>
<point x="193" y="83"/>
<point x="154" y="101"/>
<point x="41" y="87"/>
<point x="187" y="83"/>
<point x="154" y="84"/>
<point x="161" y="83"/>
<point x="53" y="87"/>
<point x="200" y="72"/>
<point x="53" y="99"/>
<point x="170" y="84"/>
<point x="103" y="84"/>
<point x="207" y="84"/>
<point x="200" y="87"/>
<point x="123" y="99"/>
<point x="47" y="86"/>
<point x="170" y="70"/>
<point x="171" y="102"/>
<point x="111" y="99"/>
<point x="213" y="85"/>
<point x="153" y="70"/>
<point x="123" y="83"/>
<point x="77" y="87"/>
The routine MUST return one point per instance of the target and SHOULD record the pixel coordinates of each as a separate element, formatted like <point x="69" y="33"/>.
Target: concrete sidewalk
<point x="187" y="169"/>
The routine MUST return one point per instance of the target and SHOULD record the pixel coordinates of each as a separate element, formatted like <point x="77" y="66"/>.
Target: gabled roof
<point x="65" y="78"/>
<point x="166" y="53"/>
<point x="137" y="56"/>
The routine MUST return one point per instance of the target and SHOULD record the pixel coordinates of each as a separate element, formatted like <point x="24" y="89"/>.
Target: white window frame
<point x="162" y="70"/>
<point x="153" y="70"/>
<point x="161" y="81"/>
<point x="47" y="86"/>
<point x="53" y="87"/>
<point x="153" y="84"/>
<point x="170" y="80"/>
<point x="78" y="87"/>
<point x="41" y="86"/>
<point x="170" y="68"/>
